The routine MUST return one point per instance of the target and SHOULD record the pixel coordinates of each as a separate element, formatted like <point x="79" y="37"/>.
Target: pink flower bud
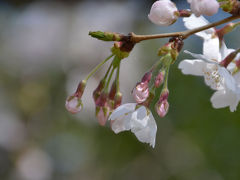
<point x="162" y="105"/>
<point x="205" y="7"/>
<point x="141" y="92"/>
<point x="162" y="108"/>
<point x="113" y="91"/>
<point x="80" y="88"/>
<point x="98" y="90"/>
<point x="147" y="76"/>
<point x="163" y="13"/>
<point x="73" y="104"/>
<point x="117" y="100"/>
<point x="102" y="99"/>
<point x="159" y="79"/>
<point x="102" y="115"/>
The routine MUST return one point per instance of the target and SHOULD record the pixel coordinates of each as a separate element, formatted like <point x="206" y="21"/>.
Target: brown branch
<point x="184" y="34"/>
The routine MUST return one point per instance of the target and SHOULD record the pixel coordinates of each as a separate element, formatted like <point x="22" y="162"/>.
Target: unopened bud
<point x="106" y="36"/>
<point x="164" y="95"/>
<point x="141" y="92"/>
<point x="73" y="104"/>
<point x="147" y="76"/>
<point x="204" y="7"/>
<point x="162" y="105"/>
<point x="102" y="115"/>
<point x="163" y="13"/>
<point x="102" y="99"/>
<point x="81" y="88"/>
<point x="117" y="100"/>
<point x="162" y="108"/>
<point x="113" y="91"/>
<point x="98" y="90"/>
<point x="159" y="79"/>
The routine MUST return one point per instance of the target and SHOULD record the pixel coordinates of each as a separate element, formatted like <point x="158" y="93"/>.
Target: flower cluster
<point x="219" y="66"/>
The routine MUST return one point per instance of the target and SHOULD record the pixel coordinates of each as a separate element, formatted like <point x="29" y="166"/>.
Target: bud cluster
<point x="106" y="99"/>
<point x="144" y="91"/>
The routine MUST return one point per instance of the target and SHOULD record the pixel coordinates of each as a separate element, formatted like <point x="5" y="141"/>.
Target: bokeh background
<point x="45" y="51"/>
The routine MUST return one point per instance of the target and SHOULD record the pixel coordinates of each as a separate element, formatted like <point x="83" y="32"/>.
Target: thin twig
<point x="184" y="34"/>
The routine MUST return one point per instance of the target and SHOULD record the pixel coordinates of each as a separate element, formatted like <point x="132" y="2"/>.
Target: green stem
<point x="169" y="61"/>
<point x="109" y="79"/>
<point x="109" y="68"/>
<point x="117" y="78"/>
<point x="97" y="67"/>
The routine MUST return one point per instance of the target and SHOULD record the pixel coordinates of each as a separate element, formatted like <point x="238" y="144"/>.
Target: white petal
<point x="121" y="123"/>
<point x="229" y="81"/>
<point x="194" y="22"/>
<point x="224" y="98"/>
<point x="139" y="118"/>
<point x="231" y="67"/>
<point x="211" y="48"/>
<point x="200" y="56"/>
<point x="224" y="51"/>
<point x="147" y="133"/>
<point x="193" y="67"/>
<point x="212" y="77"/>
<point x="237" y="78"/>
<point x="122" y="110"/>
<point x="121" y="117"/>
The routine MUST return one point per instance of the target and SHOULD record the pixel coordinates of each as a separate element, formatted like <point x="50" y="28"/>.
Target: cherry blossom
<point x="207" y="65"/>
<point x="137" y="119"/>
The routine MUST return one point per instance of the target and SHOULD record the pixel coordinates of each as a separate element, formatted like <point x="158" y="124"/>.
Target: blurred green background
<point x="45" y="50"/>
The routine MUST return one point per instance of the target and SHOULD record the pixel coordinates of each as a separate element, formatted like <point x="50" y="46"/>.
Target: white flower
<point x="205" y="7"/>
<point x="137" y="119"/>
<point x="207" y="65"/>
<point x="163" y="13"/>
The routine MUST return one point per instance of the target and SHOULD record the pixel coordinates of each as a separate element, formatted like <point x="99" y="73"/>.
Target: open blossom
<point x="137" y="119"/>
<point x="163" y="13"/>
<point x="204" y="7"/>
<point x="217" y="77"/>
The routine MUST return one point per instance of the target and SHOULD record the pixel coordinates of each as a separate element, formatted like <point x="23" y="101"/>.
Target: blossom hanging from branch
<point x="219" y="66"/>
